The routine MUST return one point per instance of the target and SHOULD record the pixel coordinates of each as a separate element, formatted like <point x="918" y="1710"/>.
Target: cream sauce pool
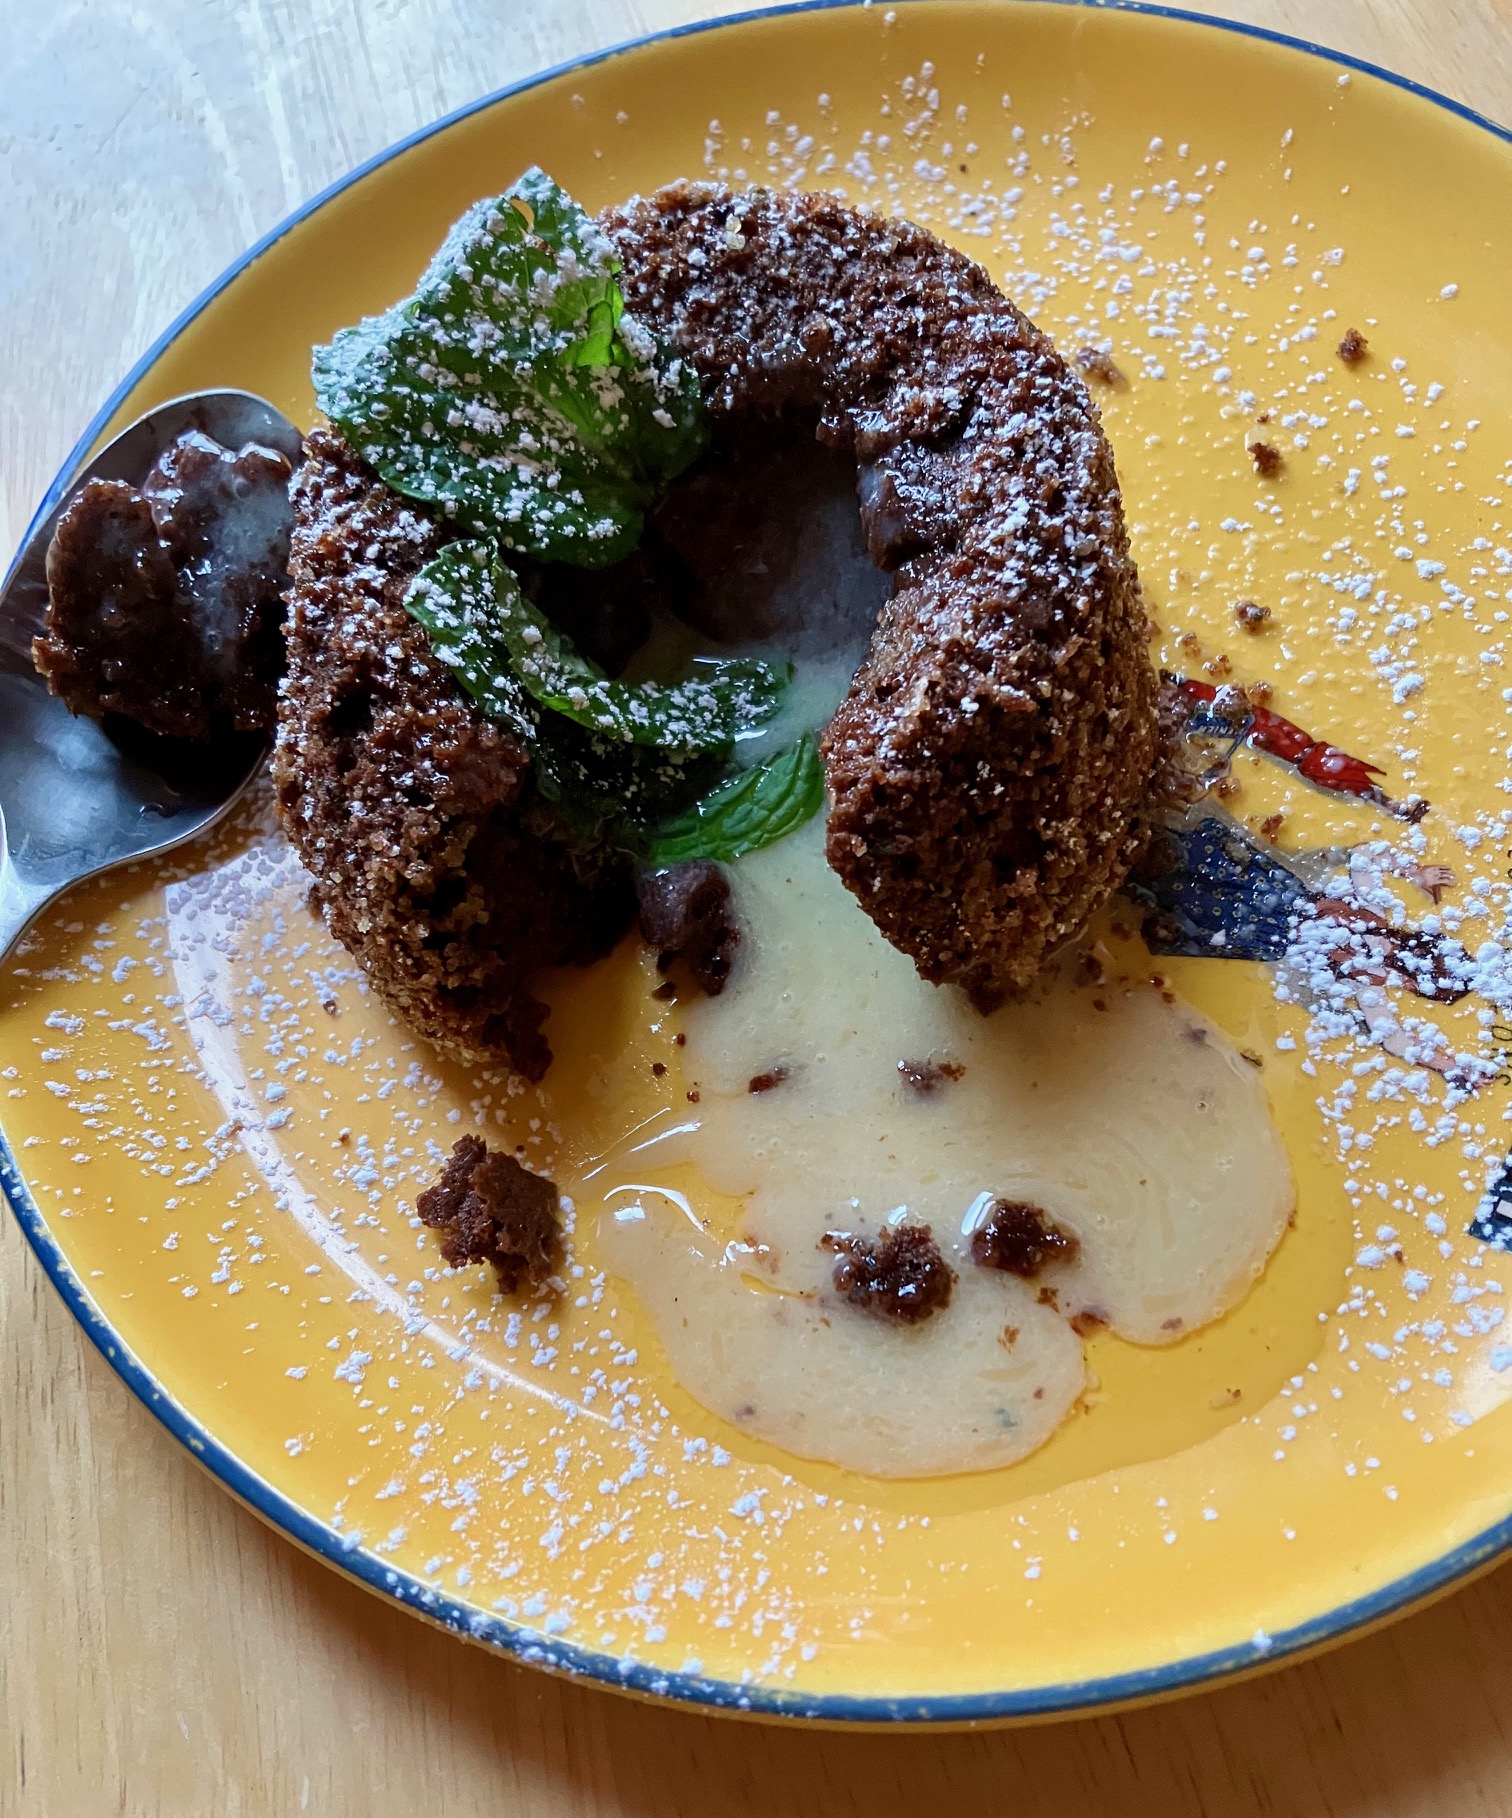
<point x="1129" y="1118"/>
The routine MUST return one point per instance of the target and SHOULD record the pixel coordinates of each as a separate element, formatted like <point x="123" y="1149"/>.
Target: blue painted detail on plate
<point x="1222" y="896"/>
<point x="511" y="1638"/>
<point x="1492" y="1223"/>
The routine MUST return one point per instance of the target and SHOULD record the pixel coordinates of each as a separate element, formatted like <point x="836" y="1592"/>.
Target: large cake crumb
<point x="490" y="1209"/>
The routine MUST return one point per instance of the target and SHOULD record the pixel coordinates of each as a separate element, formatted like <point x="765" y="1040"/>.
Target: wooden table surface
<point x="161" y="1652"/>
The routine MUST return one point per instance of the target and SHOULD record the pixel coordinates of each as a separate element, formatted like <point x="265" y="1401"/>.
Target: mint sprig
<point x="512" y="392"/>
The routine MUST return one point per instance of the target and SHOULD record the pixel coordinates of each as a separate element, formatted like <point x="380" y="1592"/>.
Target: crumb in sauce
<point x="1353" y="348"/>
<point x="1021" y="1238"/>
<point x="900" y="1275"/>
<point x="685" y="914"/>
<point x="1267" y="458"/>
<point x="926" y="1076"/>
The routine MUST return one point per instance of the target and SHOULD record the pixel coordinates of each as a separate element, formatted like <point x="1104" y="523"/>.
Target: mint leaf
<point x="701" y="714"/>
<point x="606" y="787"/>
<point x="452" y="597"/>
<point x="612" y="792"/>
<point x="754" y="809"/>
<point x="498" y="642"/>
<point x="512" y="392"/>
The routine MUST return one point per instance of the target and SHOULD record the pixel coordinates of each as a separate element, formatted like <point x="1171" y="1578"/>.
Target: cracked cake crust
<point x="991" y="768"/>
<point x="433" y="861"/>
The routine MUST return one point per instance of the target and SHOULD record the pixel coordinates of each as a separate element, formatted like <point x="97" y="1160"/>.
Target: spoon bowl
<point x="76" y="796"/>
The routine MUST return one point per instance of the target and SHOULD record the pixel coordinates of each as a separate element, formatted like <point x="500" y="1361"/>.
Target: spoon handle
<point x="19" y="902"/>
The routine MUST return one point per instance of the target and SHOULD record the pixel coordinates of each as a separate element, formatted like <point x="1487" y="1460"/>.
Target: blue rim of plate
<point x="520" y="1643"/>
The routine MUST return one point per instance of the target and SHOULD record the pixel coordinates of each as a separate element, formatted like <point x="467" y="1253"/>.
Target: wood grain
<point x="164" y="1654"/>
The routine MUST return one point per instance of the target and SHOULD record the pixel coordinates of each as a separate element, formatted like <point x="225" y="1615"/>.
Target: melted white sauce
<point x="979" y="1385"/>
<point x="1135" y="1127"/>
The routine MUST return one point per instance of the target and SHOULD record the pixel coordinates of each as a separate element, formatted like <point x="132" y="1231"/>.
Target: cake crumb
<point x="1020" y="1238"/>
<point x="1097" y="364"/>
<point x="900" y="1275"/>
<point x="487" y="1208"/>
<point x="925" y="1077"/>
<point x="685" y="914"/>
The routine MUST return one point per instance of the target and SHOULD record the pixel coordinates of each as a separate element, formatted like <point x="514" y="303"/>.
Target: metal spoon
<point x="74" y="799"/>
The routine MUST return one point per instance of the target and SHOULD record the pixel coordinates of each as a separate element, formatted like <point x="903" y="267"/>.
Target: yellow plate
<point x="1220" y="206"/>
